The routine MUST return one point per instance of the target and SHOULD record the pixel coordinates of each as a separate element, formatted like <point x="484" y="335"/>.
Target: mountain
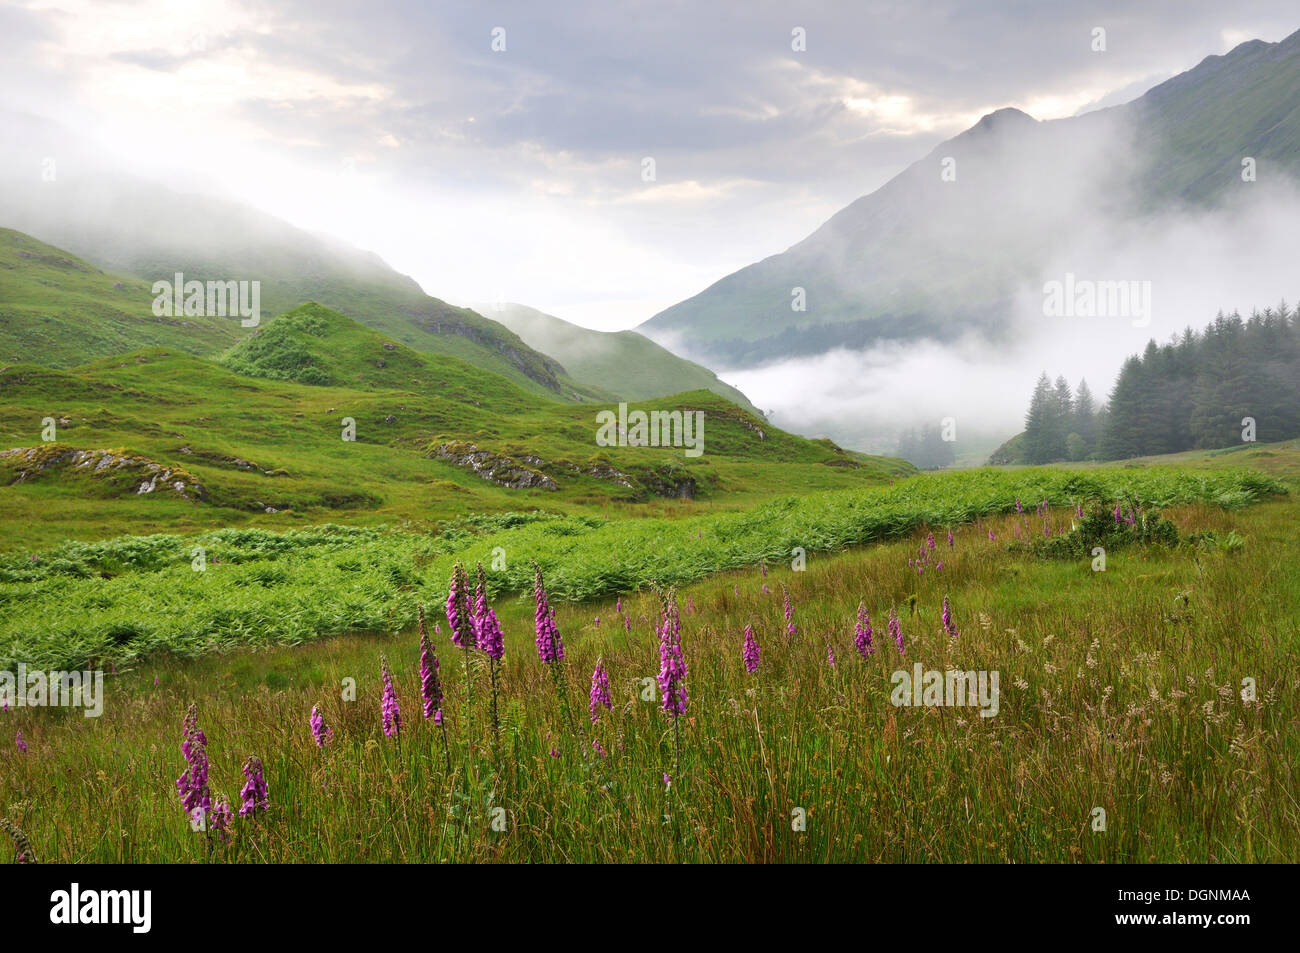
<point x="58" y="310"/>
<point x="621" y="362"/>
<point x="935" y="255"/>
<point x="125" y="224"/>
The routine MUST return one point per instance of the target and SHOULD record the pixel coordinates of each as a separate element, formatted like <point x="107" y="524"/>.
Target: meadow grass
<point x="114" y="602"/>
<point x="1120" y="690"/>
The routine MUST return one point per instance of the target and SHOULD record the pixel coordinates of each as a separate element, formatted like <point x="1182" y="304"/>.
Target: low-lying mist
<point x="1238" y="255"/>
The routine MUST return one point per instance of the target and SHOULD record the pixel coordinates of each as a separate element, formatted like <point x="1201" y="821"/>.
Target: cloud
<point x="756" y="144"/>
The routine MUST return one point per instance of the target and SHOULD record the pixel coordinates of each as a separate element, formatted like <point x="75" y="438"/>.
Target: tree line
<point x="1236" y="380"/>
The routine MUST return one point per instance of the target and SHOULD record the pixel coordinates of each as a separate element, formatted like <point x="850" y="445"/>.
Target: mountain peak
<point x="1000" y="118"/>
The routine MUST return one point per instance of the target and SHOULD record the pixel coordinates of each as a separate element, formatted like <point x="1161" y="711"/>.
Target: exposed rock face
<point x="609" y="473"/>
<point x="668" y="480"/>
<point x="31" y="462"/>
<point x="493" y="467"/>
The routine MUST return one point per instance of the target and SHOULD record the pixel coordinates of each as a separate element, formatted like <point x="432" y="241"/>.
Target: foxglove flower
<point x="254" y="796"/>
<point x="322" y="732"/>
<point x="22" y="745"/>
<point x="430" y="682"/>
<point x="392" y="711"/>
<point x="192" y="785"/>
<point x="896" y="630"/>
<point x="790" y="628"/>
<point x="929" y="541"/>
<point x="599" y="692"/>
<point x="550" y="647"/>
<point x="459" y="619"/>
<point x="491" y="639"/>
<point x="220" y="818"/>
<point x="950" y="539"/>
<point x="751" y="653"/>
<point x="862" y="632"/>
<point x="672" y="667"/>
<point x="487" y="629"/>
<point x="947" y="619"/>
<point x="830" y="655"/>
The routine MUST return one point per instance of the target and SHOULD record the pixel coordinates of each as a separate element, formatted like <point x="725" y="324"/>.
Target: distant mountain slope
<point x="129" y="225"/>
<point x="57" y="310"/>
<point x="622" y="362"/>
<point x="924" y="256"/>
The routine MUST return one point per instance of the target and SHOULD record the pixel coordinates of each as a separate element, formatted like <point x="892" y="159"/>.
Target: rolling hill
<point x="452" y="440"/>
<point x="621" y="362"/>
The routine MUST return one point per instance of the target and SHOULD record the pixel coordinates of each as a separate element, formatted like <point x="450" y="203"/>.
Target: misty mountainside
<point x="620" y="362"/>
<point x="929" y="255"/>
<point x="58" y="310"/>
<point x="125" y="224"/>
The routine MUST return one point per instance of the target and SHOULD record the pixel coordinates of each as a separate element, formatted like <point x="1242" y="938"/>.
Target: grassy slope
<point x="1196" y="124"/>
<point x="622" y="362"/>
<point x="1118" y="690"/>
<point x="57" y="310"/>
<point x="161" y="403"/>
<point x="138" y="228"/>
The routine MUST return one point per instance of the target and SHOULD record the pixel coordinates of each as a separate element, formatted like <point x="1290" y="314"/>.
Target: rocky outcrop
<point x="493" y="467"/>
<point x="140" y="474"/>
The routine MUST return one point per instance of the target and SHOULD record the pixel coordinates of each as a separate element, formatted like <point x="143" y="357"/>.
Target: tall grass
<point x="1120" y="690"/>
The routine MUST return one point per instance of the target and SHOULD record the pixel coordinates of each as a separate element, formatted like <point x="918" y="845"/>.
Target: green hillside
<point x="622" y="362"/>
<point x="315" y="345"/>
<point x="139" y="228"/>
<point x="429" y="448"/>
<point x="57" y="310"/>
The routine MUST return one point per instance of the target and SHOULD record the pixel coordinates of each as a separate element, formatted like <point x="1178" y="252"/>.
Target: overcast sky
<point x="518" y="174"/>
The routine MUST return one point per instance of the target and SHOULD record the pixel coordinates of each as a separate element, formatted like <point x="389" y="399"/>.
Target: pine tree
<point x="1040" y="422"/>
<point x="1085" y="418"/>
